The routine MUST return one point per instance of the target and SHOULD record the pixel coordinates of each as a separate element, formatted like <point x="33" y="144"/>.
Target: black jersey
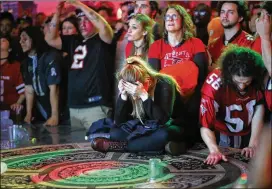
<point x="90" y="71"/>
<point x="42" y="71"/>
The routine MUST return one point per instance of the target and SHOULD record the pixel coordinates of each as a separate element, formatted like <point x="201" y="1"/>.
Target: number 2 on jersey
<point x="214" y="80"/>
<point x="80" y="54"/>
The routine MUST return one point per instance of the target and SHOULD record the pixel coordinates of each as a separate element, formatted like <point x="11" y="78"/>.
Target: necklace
<point x="138" y="49"/>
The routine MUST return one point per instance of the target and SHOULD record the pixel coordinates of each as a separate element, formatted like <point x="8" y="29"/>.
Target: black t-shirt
<point x="90" y="71"/>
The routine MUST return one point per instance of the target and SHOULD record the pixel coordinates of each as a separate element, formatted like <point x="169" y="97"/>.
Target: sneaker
<point x="175" y="148"/>
<point x="106" y="145"/>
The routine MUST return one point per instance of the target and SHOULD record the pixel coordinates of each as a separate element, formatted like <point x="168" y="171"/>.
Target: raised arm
<point x="52" y="37"/>
<point x="263" y="27"/>
<point x="104" y="29"/>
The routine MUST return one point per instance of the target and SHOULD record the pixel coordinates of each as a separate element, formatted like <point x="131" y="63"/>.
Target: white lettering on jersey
<point x="80" y="54"/>
<point x="203" y="109"/>
<point x="239" y="123"/>
<point x="214" y="80"/>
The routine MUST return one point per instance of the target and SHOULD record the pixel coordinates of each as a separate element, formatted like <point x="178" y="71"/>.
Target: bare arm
<point x="263" y="27"/>
<point x="29" y="93"/>
<point x="104" y="29"/>
<point x="209" y="139"/>
<point x="21" y="99"/>
<point x="256" y="125"/>
<point x="256" y="128"/>
<point x="54" y="101"/>
<point x="52" y="36"/>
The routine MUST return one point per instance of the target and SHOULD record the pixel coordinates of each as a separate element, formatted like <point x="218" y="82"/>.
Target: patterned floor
<point x="78" y="166"/>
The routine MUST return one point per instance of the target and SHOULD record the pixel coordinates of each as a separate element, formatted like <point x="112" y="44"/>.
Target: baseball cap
<point x="215" y="29"/>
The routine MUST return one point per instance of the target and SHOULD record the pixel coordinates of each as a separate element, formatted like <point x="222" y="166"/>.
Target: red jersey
<point x="257" y="45"/>
<point x="268" y="94"/>
<point x="241" y="38"/>
<point x="224" y="109"/>
<point x="128" y="49"/>
<point x="11" y="83"/>
<point x="169" y="56"/>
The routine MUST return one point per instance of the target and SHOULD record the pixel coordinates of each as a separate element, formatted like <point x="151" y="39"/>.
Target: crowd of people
<point x="158" y="79"/>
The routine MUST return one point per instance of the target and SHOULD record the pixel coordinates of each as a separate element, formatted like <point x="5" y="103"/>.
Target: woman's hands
<point x="136" y="90"/>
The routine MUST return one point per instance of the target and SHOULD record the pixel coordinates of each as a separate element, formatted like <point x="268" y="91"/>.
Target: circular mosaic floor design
<point x="78" y="166"/>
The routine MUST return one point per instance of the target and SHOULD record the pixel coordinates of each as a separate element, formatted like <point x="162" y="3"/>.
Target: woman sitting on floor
<point x="144" y="106"/>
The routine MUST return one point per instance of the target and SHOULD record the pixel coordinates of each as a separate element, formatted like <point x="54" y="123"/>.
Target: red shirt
<point x="11" y="83"/>
<point x="128" y="49"/>
<point x="241" y="38"/>
<point x="224" y="109"/>
<point x="169" y="56"/>
<point x="257" y="45"/>
<point x="268" y="94"/>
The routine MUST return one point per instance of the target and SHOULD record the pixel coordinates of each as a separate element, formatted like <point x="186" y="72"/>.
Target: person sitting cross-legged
<point x="144" y="106"/>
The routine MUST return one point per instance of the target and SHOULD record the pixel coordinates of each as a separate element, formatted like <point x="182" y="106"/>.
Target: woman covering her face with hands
<point x="144" y="95"/>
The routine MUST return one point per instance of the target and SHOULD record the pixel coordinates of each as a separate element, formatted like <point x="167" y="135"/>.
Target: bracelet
<point x="53" y="24"/>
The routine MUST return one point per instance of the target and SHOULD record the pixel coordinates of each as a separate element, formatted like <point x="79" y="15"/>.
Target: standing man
<point x="151" y="9"/>
<point x="232" y="110"/>
<point x="89" y="81"/>
<point x="232" y="13"/>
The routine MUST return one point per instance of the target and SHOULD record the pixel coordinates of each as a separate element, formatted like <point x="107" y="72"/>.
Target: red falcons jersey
<point x="268" y="94"/>
<point x="11" y="83"/>
<point x="224" y="109"/>
<point x="128" y="49"/>
<point x="169" y="56"/>
<point x="241" y="38"/>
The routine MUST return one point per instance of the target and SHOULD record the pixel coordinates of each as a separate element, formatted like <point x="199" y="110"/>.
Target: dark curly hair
<point x="241" y="61"/>
<point x="242" y="8"/>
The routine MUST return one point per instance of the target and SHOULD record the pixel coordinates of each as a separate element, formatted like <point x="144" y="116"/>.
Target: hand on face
<point x="263" y="25"/>
<point x="121" y="87"/>
<point x="214" y="158"/>
<point x="135" y="90"/>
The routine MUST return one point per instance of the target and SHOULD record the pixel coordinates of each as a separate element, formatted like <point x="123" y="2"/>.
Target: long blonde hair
<point x="136" y="69"/>
<point x="147" y="25"/>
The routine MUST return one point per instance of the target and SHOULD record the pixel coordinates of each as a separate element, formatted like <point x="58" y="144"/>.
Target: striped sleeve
<point x="20" y="88"/>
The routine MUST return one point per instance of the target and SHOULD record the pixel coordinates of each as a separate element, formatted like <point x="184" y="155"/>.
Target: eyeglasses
<point x="171" y="17"/>
<point x="200" y="13"/>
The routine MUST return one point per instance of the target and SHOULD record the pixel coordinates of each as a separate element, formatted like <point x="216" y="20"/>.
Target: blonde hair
<point x="147" y="25"/>
<point x="136" y="69"/>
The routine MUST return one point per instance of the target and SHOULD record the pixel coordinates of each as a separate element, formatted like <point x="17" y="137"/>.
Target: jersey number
<point x="214" y="81"/>
<point x="80" y="54"/>
<point x="239" y="123"/>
